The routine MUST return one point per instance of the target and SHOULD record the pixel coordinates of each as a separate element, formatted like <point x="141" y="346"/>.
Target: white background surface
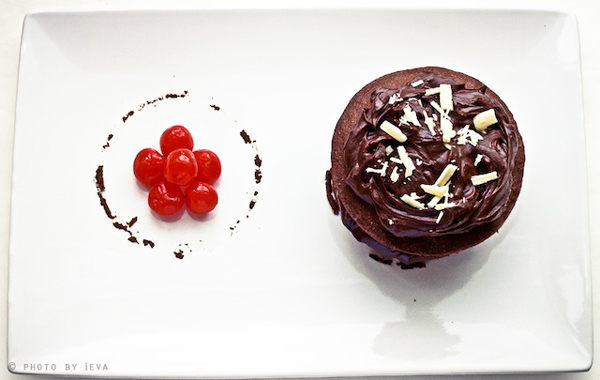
<point x="331" y="303"/>
<point x="11" y="15"/>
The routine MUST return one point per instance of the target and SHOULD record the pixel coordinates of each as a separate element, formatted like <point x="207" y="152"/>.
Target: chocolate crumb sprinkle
<point x="127" y="116"/>
<point x="132" y="221"/>
<point x="161" y="98"/>
<point x="125" y="227"/>
<point x="178" y="254"/>
<point x="100" y="178"/>
<point x="104" y="205"/>
<point x="245" y="136"/>
<point x="107" y="144"/>
<point x="122" y="227"/>
<point x="147" y="242"/>
<point x="257" y="176"/>
<point x="215" y="107"/>
<point x="100" y="189"/>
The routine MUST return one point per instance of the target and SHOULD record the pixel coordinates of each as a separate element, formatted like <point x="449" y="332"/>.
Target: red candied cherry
<point x="181" y="167"/>
<point x="148" y="166"/>
<point x="209" y="166"/>
<point x="176" y="137"/>
<point x="201" y="197"/>
<point x="165" y="198"/>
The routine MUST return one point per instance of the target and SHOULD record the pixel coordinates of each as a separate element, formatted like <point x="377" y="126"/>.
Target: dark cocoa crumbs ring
<point x="117" y="220"/>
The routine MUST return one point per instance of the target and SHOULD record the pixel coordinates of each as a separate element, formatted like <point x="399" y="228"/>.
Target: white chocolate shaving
<point x="439" y="218"/>
<point x="390" y="222"/>
<point x="446" y="97"/>
<point x="406" y="161"/>
<point x="447" y="131"/>
<point x="393" y="131"/>
<point x="432" y="91"/>
<point x="381" y="171"/>
<point x="411" y="116"/>
<point x="384" y="168"/>
<point x="414" y="195"/>
<point x="483" y="178"/>
<point x="442" y="180"/>
<point x="429" y="123"/>
<point x="412" y="202"/>
<point x="388" y="150"/>
<point x="396" y="160"/>
<point x="444" y="205"/>
<point x="438" y="191"/>
<point x="395" y="176"/>
<point x="437" y="107"/>
<point x="447" y="173"/>
<point x="417" y="83"/>
<point x="468" y="135"/>
<point x="477" y="159"/>
<point x="418" y="161"/>
<point x="392" y="99"/>
<point x="484" y="119"/>
<point x="434" y="201"/>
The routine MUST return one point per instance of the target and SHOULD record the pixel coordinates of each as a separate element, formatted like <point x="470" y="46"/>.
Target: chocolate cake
<point x="425" y="163"/>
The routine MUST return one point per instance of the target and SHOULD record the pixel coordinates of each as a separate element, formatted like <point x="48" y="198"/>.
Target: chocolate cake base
<point x="360" y="217"/>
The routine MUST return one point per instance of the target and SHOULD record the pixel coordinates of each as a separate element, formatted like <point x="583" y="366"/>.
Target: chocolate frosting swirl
<point x="475" y="205"/>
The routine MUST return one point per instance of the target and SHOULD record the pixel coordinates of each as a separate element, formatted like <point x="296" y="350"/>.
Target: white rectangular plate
<point x="288" y="292"/>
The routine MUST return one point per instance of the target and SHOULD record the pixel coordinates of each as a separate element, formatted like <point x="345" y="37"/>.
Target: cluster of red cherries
<point x="178" y="166"/>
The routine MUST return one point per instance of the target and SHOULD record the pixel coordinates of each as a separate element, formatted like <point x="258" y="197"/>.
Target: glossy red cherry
<point x="181" y="167"/>
<point x="165" y="198"/>
<point x="176" y="137"/>
<point x="201" y="197"/>
<point x="148" y="166"/>
<point x="209" y="166"/>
